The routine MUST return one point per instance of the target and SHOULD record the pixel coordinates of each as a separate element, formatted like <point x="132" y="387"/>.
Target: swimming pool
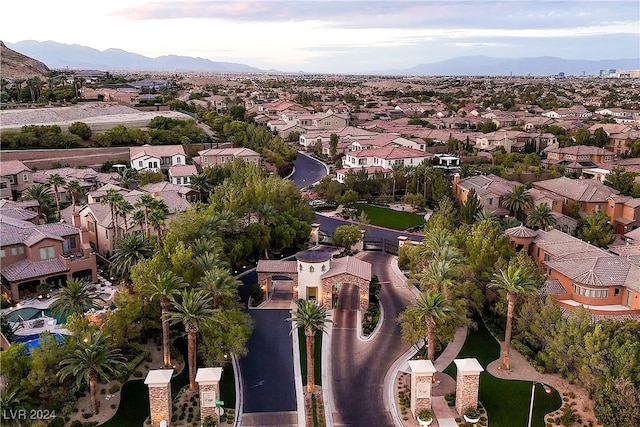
<point x="28" y="313"/>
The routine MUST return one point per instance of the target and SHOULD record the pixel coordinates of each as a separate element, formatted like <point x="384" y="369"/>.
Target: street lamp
<point x="547" y="389"/>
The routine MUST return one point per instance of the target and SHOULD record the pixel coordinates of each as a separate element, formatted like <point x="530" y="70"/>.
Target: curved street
<point x="358" y="368"/>
<point x="308" y="171"/>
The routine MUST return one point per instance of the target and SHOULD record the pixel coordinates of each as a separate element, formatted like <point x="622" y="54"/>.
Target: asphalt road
<point x="308" y="171"/>
<point x="358" y="367"/>
<point x="329" y="224"/>
<point x="267" y="370"/>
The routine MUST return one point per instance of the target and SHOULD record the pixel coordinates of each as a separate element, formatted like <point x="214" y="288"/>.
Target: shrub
<point x="114" y="388"/>
<point x="137" y="374"/>
<point x="76" y="423"/>
<point x="424" y="414"/>
<point x="113" y="406"/>
<point x="87" y="415"/>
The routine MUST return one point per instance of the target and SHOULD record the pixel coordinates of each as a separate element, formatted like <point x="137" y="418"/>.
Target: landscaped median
<point x="388" y="218"/>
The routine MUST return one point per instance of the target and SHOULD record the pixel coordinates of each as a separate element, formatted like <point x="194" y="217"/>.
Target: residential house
<point x="48" y="253"/>
<point x="220" y="156"/>
<point x="490" y="191"/>
<point x="578" y="157"/>
<point x="19" y="176"/>
<point x="157" y="157"/>
<point x="580" y="274"/>
<point x="181" y="175"/>
<point x="185" y="192"/>
<point x="380" y="160"/>
<point x="500" y="138"/>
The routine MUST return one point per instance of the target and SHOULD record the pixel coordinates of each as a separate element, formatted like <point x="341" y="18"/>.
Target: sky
<point x="334" y="36"/>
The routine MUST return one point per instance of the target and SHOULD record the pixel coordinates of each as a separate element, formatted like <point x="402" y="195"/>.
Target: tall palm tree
<point x="132" y="248"/>
<point x="145" y="202"/>
<point x="42" y="194"/>
<point x="92" y="360"/>
<point x="434" y="307"/>
<point x="164" y="288"/>
<point x="56" y="181"/>
<point x="518" y="200"/>
<point x="484" y="214"/>
<point x="112" y="198"/>
<point x="221" y="286"/>
<point x="515" y="281"/>
<point x="74" y="188"/>
<point x="312" y="317"/>
<point x="192" y="308"/>
<point x="74" y="298"/>
<point x="540" y="217"/>
<point x="157" y="217"/>
<point x="123" y="207"/>
<point x="201" y="185"/>
<point x="438" y="275"/>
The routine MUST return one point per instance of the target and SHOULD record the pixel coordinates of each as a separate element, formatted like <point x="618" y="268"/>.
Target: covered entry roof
<point x="276" y="266"/>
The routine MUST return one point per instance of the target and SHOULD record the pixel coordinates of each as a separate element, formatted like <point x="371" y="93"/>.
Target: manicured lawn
<point x="317" y="368"/>
<point x="385" y="217"/>
<point x="506" y="401"/>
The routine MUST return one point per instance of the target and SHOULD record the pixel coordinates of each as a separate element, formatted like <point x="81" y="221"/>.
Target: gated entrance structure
<point x="315" y="275"/>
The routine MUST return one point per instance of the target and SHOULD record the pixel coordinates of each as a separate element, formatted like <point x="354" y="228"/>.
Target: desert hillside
<point x="16" y="65"/>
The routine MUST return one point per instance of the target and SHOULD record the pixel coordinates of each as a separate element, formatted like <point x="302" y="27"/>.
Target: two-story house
<point x="489" y="189"/>
<point x="157" y="157"/>
<point x="379" y="160"/>
<point x="220" y="156"/>
<point x="18" y="177"/>
<point x="48" y="253"/>
<point x="580" y="274"/>
<point x="578" y="157"/>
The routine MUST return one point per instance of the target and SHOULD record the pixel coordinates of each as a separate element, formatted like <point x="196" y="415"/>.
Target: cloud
<point x="414" y="14"/>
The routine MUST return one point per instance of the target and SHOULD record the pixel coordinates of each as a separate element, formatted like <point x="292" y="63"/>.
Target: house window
<point x="47" y="253"/>
<point x="177" y="160"/>
<point x="324" y="268"/>
<point x="312" y="269"/>
<point x="616" y="291"/>
<point x="25" y="177"/>
<point x="71" y="242"/>
<point x="106" y="233"/>
<point x="491" y="201"/>
<point x="546" y="257"/>
<point x="11" y="180"/>
<point x="566" y="201"/>
<point x="92" y="227"/>
<point x="3" y="253"/>
<point x="140" y="164"/>
<point x="300" y="267"/>
<point x="206" y="159"/>
<point x="17" y="250"/>
<point x="3" y="185"/>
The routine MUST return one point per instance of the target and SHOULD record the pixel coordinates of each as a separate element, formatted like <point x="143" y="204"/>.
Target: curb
<point x="239" y="390"/>
<point x="297" y="374"/>
<point x="325" y="374"/>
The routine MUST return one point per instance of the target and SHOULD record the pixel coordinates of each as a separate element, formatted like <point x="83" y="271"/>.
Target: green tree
<point x="221" y="286"/>
<point x="145" y="203"/>
<point x="192" y="308"/>
<point x="74" y="188"/>
<point x="582" y="137"/>
<point x="433" y="307"/>
<point x="12" y="400"/>
<point x="74" y="298"/>
<point x="56" y="181"/>
<point x="348" y="197"/>
<point x="42" y="194"/>
<point x="312" y="317"/>
<point x="484" y="246"/>
<point x="92" y="360"/>
<point x="515" y="282"/>
<point x="333" y="146"/>
<point x="596" y="229"/>
<point x="518" y="201"/>
<point x="166" y="286"/>
<point x="81" y="129"/>
<point x="346" y="236"/>
<point x="618" y="403"/>
<point x="621" y="179"/>
<point x="132" y="248"/>
<point x="112" y="198"/>
<point x="541" y="217"/>
<point x="470" y="208"/>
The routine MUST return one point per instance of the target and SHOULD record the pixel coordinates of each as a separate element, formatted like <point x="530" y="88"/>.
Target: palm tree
<point x="518" y="200"/>
<point x="92" y="360"/>
<point x="484" y="214"/>
<point x="221" y="286"/>
<point x="165" y="287"/>
<point x="434" y="307"/>
<point x="132" y="248"/>
<point x="438" y="275"/>
<point x="56" y="181"/>
<point x="145" y="202"/>
<point x="157" y="217"/>
<point x="123" y="207"/>
<point x="397" y="171"/>
<point x="192" y="309"/>
<point x="312" y="317"/>
<point x="42" y="194"/>
<point x="541" y="217"/>
<point x="112" y="198"/>
<point x="510" y="222"/>
<point x="201" y="185"/>
<point x="12" y="400"/>
<point x="515" y="281"/>
<point x="74" y="298"/>
<point x="74" y="188"/>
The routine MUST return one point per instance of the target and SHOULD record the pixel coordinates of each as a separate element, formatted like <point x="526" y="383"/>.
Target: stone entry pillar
<point x="315" y="234"/>
<point x="467" y="384"/>
<point x="422" y="372"/>
<point x="159" y="382"/>
<point x="208" y="380"/>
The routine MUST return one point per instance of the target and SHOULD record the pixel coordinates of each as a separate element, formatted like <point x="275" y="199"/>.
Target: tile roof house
<point x="384" y="158"/>
<point x="19" y="175"/>
<point x="156" y="157"/>
<point x="589" y="194"/>
<point x="181" y="175"/>
<point x="578" y="157"/>
<point x="33" y="254"/>
<point x="220" y="156"/>
<point x="490" y="190"/>
<point x="581" y="274"/>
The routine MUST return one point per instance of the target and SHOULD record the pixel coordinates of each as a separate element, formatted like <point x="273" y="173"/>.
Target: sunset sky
<point x="334" y="36"/>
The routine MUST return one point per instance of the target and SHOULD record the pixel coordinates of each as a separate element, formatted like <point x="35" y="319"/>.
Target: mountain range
<point x="61" y="56"/>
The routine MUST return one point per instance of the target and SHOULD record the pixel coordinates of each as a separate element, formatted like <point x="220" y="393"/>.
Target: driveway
<point x="358" y="367"/>
<point x="308" y="171"/>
